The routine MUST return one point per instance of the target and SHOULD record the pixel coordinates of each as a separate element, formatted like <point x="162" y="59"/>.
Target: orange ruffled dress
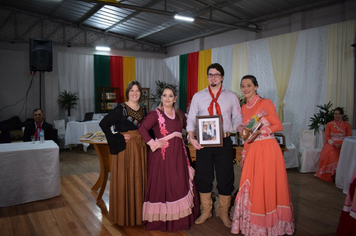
<point x="335" y="132"/>
<point x="263" y="204"/>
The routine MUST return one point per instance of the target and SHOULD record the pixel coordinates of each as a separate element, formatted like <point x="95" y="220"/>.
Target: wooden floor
<point x="317" y="206"/>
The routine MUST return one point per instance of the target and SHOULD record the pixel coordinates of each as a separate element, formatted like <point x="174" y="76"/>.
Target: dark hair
<point x="37" y="109"/>
<point x="174" y="91"/>
<point x="216" y="66"/>
<point x="252" y="78"/>
<point x="129" y="87"/>
<point x="340" y="110"/>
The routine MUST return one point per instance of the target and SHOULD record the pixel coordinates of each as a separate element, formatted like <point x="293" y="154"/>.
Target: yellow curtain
<point x="282" y="50"/>
<point x="340" y="71"/>
<point x="239" y="66"/>
<point x="129" y="71"/>
<point x="204" y="62"/>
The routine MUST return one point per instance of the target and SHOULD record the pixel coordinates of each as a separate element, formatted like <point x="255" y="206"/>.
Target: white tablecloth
<point x="29" y="172"/>
<point x="347" y="164"/>
<point x="76" y="129"/>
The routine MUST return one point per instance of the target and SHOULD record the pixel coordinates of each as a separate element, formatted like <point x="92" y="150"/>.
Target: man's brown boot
<point x="207" y="205"/>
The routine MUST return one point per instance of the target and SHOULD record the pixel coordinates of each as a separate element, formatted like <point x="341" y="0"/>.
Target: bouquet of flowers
<point x="253" y="124"/>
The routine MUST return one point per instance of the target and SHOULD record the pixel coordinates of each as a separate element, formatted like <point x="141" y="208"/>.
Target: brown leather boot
<point x="225" y="202"/>
<point x="207" y="205"/>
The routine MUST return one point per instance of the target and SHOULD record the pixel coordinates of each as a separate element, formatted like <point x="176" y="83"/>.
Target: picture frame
<point x="280" y="139"/>
<point x="146" y="98"/>
<point x="209" y="131"/>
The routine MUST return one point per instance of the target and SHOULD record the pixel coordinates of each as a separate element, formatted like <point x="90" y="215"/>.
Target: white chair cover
<point x="309" y="155"/>
<point x="290" y="157"/>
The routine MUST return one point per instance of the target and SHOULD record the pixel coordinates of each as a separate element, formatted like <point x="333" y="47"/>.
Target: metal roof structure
<point x="141" y="25"/>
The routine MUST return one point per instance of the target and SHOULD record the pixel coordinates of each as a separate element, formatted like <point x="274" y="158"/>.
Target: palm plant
<point x="67" y="100"/>
<point x="156" y="98"/>
<point x="325" y="115"/>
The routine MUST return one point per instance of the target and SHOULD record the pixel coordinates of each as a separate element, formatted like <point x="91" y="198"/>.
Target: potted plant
<point x="320" y="119"/>
<point x="67" y="100"/>
<point x="156" y="98"/>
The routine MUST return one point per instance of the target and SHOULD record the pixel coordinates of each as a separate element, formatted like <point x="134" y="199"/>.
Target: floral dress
<point x="263" y="204"/>
<point x="171" y="200"/>
<point x="335" y="132"/>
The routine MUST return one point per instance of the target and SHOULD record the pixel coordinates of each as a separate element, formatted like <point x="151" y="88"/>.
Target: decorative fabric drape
<point x="129" y="73"/>
<point x="101" y="74"/>
<point x="149" y="70"/>
<point x="239" y="66"/>
<point x="76" y="74"/>
<point x="282" y="49"/>
<point x="224" y="56"/>
<point x="117" y="76"/>
<point x="204" y="62"/>
<point x="192" y="75"/>
<point x="183" y="67"/>
<point x="341" y="61"/>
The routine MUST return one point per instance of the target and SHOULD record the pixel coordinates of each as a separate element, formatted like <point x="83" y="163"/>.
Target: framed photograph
<point x="280" y="139"/>
<point x="146" y="98"/>
<point x="209" y="131"/>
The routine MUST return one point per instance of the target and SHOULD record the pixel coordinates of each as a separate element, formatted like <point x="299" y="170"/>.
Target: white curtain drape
<point x="149" y="70"/>
<point x="341" y="61"/>
<point x="306" y="88"/>
<point x="76" y="74"/>
<point x="259" y="64"/>
<point x="223" y="56"/>
<point x="282" y="48"/>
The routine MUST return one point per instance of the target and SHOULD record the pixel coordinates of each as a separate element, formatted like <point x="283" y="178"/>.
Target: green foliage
<point x="156" y="98"/>
<point x="67" y="100"/>
<point x="324" y="116"/>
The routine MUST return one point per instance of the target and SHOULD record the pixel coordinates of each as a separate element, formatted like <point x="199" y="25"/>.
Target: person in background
<point x="335" y="132"/>
<point x="33" y="127"/>
<point x="263" y="204"/>
<point x="129" y="158"/>
<point x="215" y="100"/>
<point x="171" y="200"/>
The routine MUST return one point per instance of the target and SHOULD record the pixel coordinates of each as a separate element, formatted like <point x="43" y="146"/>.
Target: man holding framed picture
<point x="215" y="100"/>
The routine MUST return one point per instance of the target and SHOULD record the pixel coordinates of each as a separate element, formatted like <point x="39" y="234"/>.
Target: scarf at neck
<point x="217" y="106"/>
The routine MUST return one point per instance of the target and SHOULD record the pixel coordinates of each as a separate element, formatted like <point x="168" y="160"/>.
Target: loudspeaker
<point x="41" y="57"/>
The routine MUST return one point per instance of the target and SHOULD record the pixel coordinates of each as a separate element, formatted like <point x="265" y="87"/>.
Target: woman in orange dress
<point x="335" y="132"/>
<point x="263" y="204"/>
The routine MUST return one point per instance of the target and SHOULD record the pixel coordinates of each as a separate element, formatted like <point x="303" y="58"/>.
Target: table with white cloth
<point x="76" y="129"/>
<point x="29" y="172"/>
<point x="347" y="164"/>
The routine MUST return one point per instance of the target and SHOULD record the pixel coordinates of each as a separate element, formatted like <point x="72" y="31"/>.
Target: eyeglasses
<point x="214" y="75"/>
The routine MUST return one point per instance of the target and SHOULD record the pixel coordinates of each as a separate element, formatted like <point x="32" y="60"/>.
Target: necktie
<point x="214" y="100"/>
<point x="37" y="133"/>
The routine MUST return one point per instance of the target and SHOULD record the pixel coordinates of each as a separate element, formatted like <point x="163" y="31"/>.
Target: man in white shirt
<point x="215" y="100"/>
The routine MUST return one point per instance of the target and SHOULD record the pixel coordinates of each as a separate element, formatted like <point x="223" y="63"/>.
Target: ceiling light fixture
<point x="185" y="18"/>
<point x="99" y="48"/>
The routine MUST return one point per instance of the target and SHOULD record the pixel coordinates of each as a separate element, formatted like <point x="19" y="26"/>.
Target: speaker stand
<point x="40" y="90"/>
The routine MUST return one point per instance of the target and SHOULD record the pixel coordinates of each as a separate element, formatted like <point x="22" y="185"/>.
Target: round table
<point x="347" y="164"/>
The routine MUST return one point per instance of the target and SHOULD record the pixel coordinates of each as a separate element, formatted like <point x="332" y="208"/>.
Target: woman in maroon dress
<point x="171" y="199"/>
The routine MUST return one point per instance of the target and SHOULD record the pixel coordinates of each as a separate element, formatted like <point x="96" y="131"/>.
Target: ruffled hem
<point x="329" y="169"/>
<point x="169" y="211"/>
<point x="243" y="217"/>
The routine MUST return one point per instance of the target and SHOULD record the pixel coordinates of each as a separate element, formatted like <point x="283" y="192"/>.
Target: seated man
<point x="34" y="127"/>
<point x="5" y="135"/>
